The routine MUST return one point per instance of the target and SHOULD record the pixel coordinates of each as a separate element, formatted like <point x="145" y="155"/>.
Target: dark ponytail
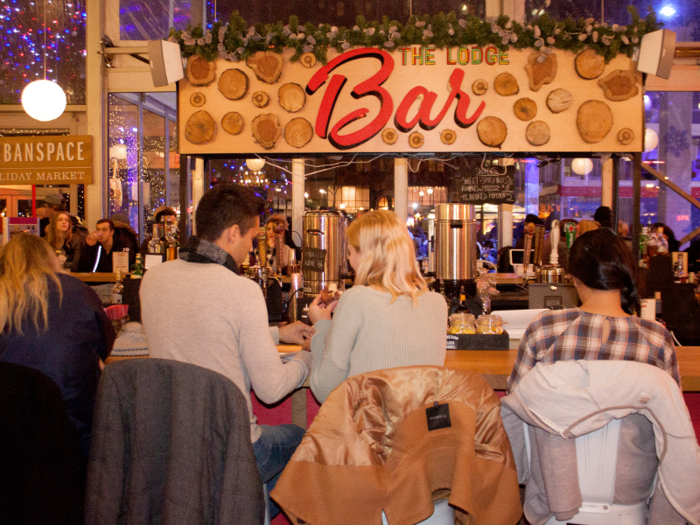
<point x="601" y="260"/>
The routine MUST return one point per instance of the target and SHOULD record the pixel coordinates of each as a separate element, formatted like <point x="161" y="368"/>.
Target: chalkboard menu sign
<point x="313" y="259"/>
<point x="486" y="185"/>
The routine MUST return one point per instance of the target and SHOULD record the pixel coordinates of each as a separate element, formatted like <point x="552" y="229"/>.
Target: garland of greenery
<point x="236" y="41"/>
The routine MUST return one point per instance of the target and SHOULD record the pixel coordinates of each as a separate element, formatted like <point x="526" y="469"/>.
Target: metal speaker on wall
<point x="166" y="62"/>
<point x="656" y="53"/>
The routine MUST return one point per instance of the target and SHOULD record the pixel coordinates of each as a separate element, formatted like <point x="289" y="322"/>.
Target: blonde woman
<point x="60" y="236"/>
<point x="274" y="238"/>
<point x="54" y="323"/>
<point x="387" y="319"/>
<point x="586" y="225"/>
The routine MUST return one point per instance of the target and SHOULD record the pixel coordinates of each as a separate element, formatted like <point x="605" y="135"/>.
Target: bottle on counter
<point x="117" y="290"/>
<point x="172" y="245"/>
<point x="643" y="241"/>
<point x="155" y="245"/>
<point x="137" y="271"/>
<point x="679" y="275"/>
<point x="61" y="256"/>
<point x="663" y="242"/>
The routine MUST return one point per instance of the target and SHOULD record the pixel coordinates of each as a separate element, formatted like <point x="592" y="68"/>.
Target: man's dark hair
<point x="167" y="212"/>
<point x="108" y="221"/>
<point x="531" y="217"/>
<point x="603" y="215"/>
<point x="225" y="205"/>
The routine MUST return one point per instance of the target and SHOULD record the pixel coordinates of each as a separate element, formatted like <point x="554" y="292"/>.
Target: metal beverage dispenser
<point x="324" y="251"/>
<point x="429" y="229"/>
<point x="456" y="254"/>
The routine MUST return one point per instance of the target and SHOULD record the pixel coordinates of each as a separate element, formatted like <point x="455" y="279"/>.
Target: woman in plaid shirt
<point x="605" y="325"/>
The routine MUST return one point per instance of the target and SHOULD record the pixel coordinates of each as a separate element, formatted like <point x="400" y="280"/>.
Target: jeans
<point x="272" y="452"/>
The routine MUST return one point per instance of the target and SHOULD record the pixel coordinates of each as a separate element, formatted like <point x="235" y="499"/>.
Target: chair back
<point x="171" y="444"/>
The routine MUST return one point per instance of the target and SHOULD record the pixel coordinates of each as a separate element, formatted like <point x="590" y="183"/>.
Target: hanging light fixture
<point x="651" y="140"/>
<point x="255" y="164"/>
<point x="582" y="166"/>
<point x="44" y="100"/>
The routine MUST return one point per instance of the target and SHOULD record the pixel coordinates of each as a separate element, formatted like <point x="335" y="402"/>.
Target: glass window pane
<point x="152" y="19"/>
<point x="22" y="44"/>
<point x="124" y="153"/>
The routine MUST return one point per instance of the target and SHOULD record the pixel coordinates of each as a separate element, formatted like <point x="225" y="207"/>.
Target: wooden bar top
<point x="496" y="365"/>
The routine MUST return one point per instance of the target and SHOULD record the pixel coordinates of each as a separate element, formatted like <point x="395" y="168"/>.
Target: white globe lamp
<point x="651" y="140"/>
<point x="43" y="100"/>
<point x="255" y="164"/>
<point x="582" y="166"/>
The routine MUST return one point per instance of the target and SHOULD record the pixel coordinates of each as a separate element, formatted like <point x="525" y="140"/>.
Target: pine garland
<point x="237" y="41"/>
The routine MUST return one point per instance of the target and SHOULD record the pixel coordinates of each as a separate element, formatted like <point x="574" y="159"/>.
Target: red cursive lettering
<point x="371" y="86"/>
<point x="423" y="116"/>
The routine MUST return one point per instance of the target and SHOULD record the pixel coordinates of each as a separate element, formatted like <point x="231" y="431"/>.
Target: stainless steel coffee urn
<point x="456" y="254"/>
<point x="324" y="251"/>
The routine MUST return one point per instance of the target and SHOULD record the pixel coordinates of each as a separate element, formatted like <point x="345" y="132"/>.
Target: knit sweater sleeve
<point x="333" y="343"/>
<point x="269" y="377"/>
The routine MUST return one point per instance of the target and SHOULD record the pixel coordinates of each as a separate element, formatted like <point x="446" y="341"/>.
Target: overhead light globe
<point x="651" y="140"/>
<point x="43" y="100"/>
<point x="255" y="164"/>
<point x="582" y="166"/>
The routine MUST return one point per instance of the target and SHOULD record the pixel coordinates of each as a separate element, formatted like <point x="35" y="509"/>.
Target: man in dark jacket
<point x="96" y="252"/>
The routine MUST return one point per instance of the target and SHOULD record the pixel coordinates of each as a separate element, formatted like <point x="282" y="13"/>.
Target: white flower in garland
<point x="427" y="33"/>
<point x="537" y="32"/>
<point x="389" y="44"/>
<point x="624" y="39"/>
<point x="369" y="31"/>
<point x="420" y="23"/>
<point x="222" y="33"/>
<point x="551" y="40"/>
<point x="595" y="36"/>
<point x="539" y="42"/>
<point x="308" y="48"/>
<point x="582" y="37"/>
<point x="451" y="32"/>
<point x="207" y="38"/>
<point x="346" y="46"/>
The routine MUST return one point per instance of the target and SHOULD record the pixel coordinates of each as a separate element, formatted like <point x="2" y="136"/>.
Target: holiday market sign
<point x="413" y="98"/>
<point x="48" y="159"/>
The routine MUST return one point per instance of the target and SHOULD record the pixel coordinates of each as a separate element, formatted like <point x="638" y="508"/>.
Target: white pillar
<point x="505" y="225"/>
<point x="298" y="200"/>
<point x="606" y="196"/>
<point x="401" y="188"/>
<point x="96" y="104"/>
<point x="197" y="187"/>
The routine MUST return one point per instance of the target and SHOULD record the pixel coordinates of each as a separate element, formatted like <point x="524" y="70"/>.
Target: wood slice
<point x="492" y="131"/>
<point x="308" y="60"/>
<point x="416" y="140"/>
<point x="506" y="85"/>
<point x="390" y="136"/>
<point x="233" y="123"/>
<point x="589" y="64"/>
<point x="260" y="99"/>
<point x="292" y="97"/>
<point x="594" y="121"/>
<point x="619" y="85"/>
<point x="559" y="100"/>
<point x="537" y="133"/>
<point x="525" y="109"/>
<point x="540" y="71"/>
<point x="200" y="128"/>
<point x="200" y="72"/>
<point x="298" y="132"/>
<point x="266" y="65"/>
<point x="448" y="137"/>
<point x="625" y="136"/>
<point x="198" y="99"/>
<point x="480" y="86"/>
<point x="233" y="84"/>
<point x="266" y="130"/>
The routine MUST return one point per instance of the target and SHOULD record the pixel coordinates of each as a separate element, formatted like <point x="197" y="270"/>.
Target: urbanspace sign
<point x="49" y="159"/>
<point x="417" y="100"/>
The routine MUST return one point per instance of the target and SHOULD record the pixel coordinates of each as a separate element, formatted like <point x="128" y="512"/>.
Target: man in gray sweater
<point x="198" y="310"/>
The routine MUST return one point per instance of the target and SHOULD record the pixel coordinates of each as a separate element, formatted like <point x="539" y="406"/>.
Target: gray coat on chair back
<point x="171" y="445"/>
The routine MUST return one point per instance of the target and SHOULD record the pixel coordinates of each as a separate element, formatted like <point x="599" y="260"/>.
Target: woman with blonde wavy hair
<point x="54" y="323"/>
<point x="387" y="319"/>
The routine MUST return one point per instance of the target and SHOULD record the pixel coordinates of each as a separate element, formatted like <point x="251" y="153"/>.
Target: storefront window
<point x="22" y="44"/>
<point x="143" y="164"/>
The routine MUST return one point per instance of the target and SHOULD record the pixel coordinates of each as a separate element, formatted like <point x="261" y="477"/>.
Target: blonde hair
<point x="27" y="262"/>
<point x="586" y="225"/>
<point x="52" y="230"/>
<point x="387" y="256"/>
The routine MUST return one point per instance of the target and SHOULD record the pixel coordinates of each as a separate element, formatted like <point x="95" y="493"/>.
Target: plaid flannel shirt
<point x="573" y="334"/>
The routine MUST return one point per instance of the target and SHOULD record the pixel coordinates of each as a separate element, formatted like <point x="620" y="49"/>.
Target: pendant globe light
<point x="582" y="166"/>
<point x="44" y="100"/>
<point x="255" y="164"/>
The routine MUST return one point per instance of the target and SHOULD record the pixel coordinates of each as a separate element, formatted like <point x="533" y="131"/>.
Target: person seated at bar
<point x="603" y="216"/>
<point x="585" y="226"/>
<point x="274" y="236"/>
<point x="605" y="325"/>
<point x="198" y="310"/>
<point x="60" y="236"/>
<point x="673" y="244"/>
<point x="96" y="252"/>
<point x="387" y="319"/>
<point x="163" y="213"/>
<point x="55" y="323"/>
